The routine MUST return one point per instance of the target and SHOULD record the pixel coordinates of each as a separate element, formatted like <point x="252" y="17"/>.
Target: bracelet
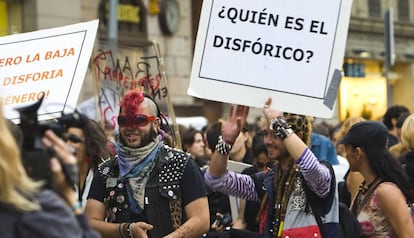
<point x="76" y="206"/>
<point x="129" y="231"/>
<point x="121" y="230"/>
<point x="222" y="147"/>
<point x="280" y="127"/>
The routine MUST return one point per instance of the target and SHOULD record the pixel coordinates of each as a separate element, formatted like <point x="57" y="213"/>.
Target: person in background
<point x="399" y="149"/>
<point x="207" y="150"/>
<point x="324" y="149"/>
<point x="149" y="189"/>
<point x="284" y="209"/>
<point x="91" y="148"/>
<point x="193" y="143"/>
<point x="341" y="132"/>
<point x="219" y="203"/>
<point x="109" y="129"/>
<point x="241" y="150"/>
<point x="381" y="204"/>
<point x="248" y="210"/>
<point x="352" y="179"/>
<point x="407" y="141"/>
<point x="390" y="120"/>
<point x="29" y="210"/>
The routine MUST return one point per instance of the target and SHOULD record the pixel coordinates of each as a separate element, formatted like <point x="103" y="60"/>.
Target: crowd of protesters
<point x="133" y="182"/>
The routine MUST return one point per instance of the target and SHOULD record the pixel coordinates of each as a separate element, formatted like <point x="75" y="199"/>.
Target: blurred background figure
<point x="407" y="141"/>
<point x="248" y="210"/>
<point x="240" y="151"/>
<point x="352" y="179"/>
<point x="207" y="151"/>
<point x="92" y="147"/>
<point x="390" y="120"/>
<point x="218" y="202"/>
<point x="399" y="149"/>
<point x="193" y="143"/>
<point x="109" y="129"/>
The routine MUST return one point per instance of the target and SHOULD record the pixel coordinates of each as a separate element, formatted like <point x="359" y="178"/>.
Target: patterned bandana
<point x="135" y="166"/>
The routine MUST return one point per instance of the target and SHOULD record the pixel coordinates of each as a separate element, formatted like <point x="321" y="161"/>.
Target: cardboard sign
<point x="52" y="62"/>
<point x="247" y="51"/>
<point x="117" y="72"/>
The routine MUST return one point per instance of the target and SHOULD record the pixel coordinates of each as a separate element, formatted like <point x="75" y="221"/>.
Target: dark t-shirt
<point x="192" y="187"/>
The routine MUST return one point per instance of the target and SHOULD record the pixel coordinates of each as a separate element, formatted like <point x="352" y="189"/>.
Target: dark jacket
<point x="164" y="199"/>
<point x="54" y="220"/>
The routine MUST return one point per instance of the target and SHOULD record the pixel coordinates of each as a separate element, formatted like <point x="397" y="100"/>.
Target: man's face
<point x="276" y="150"/>
<point x="135" y="136"/>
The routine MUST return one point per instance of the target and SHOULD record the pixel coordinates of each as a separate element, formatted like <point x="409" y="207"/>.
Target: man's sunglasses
<point x="73" y="138"/>
<point x="139" y="120"/>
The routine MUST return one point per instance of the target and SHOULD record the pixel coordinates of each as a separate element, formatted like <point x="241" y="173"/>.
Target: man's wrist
<point x="280" y="127"/>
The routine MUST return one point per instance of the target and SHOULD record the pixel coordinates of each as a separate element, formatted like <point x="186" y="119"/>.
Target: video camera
<point x="35" y="156"/>
<point x="224" y="220"/>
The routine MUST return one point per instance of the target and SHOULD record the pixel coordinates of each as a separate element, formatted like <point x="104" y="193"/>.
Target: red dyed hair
<point x="131" y="100"/>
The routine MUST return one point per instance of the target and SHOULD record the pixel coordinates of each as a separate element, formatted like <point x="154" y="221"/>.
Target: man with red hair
<point x="149" y="189"/>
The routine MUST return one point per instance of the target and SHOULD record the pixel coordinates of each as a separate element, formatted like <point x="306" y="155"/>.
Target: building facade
<point x="369" y="86"/>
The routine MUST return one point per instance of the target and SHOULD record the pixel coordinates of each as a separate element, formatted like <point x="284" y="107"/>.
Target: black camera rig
<point x="35" y="156"/>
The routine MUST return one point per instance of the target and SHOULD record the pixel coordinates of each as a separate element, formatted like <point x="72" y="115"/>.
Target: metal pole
<point x="389" y="51"/>
<point x="113" y="25"/>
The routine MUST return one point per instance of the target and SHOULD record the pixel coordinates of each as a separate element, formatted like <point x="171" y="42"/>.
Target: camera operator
<point x="28" y="210"/>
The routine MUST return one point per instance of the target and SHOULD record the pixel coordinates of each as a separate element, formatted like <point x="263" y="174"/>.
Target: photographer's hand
<point x="62" y="156"/>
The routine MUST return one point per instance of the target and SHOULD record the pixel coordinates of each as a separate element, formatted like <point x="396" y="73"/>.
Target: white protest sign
<point x="52" y="62"/>
<point x="247" y="51"/>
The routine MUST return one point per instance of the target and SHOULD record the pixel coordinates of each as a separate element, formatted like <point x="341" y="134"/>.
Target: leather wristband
<point x="222" y="147"/>
<point x="280" y="127"/>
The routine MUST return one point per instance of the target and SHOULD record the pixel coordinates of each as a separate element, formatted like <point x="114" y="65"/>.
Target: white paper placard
<point x="52" y="61"/>
<point x="247" y="51"/>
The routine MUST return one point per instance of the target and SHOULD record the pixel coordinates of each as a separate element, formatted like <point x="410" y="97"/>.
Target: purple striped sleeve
<point x="316" y="174"/>
<point x="232" y="183"/>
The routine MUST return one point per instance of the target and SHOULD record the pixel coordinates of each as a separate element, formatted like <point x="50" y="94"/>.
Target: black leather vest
<point x="162" y="202"/>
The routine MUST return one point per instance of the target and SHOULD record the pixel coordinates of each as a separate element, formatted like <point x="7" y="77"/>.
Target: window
<point x="374" y="8"/>
<point x="403" y="10"/>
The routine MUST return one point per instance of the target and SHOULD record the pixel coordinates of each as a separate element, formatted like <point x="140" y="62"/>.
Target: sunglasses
<point x="73" y="138"/>
<point x="139" y="120"/>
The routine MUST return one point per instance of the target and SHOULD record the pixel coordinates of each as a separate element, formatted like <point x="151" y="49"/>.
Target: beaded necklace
<point x="283" y="184"/>
<point x="365" y="192"/>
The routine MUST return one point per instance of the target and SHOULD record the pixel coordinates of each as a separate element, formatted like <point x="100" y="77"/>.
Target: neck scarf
<point x="135" y="166"/>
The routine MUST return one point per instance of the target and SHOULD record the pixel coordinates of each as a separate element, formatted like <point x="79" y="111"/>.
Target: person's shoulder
<point x="108" y="161"/>
<point x="107" y="165"/>
<point x="173" y="154"/>
<point x="387" y="190"/>
<point x="388" y="194"/>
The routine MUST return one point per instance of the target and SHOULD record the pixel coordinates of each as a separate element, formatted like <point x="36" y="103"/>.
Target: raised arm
<point x="293" y="143"/>
<point x="229" y="131"/>
<point x="317" y="175"/>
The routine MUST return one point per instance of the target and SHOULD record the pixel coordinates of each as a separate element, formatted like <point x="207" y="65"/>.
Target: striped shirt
<point x="316" y="175"/>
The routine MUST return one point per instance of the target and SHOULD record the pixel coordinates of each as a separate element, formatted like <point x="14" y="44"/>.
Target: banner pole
<point x="171" y="113"/>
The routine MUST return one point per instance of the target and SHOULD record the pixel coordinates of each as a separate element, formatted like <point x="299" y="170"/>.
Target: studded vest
<point x="162" y="202"/>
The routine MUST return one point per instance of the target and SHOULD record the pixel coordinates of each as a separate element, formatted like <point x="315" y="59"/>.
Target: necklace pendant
<point x="278" y="206"/>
